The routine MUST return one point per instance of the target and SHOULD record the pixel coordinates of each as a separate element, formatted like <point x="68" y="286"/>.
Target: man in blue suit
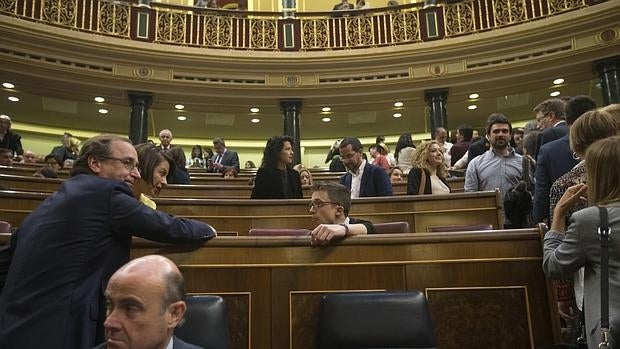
<point x="145" y="303"/>
<point x="68" y="247"/>
<point x="362" y="178"/>
<point x="556" y="158"/>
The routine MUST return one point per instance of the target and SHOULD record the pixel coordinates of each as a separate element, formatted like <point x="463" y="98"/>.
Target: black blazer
<point x="66" y="251"/>
<point x="12" y="141"/>
<point x="413" y="182"/>
<point x="268" y="184"/>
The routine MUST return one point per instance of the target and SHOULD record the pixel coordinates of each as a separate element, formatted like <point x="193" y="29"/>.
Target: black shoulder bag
<point x="604" y="233"/>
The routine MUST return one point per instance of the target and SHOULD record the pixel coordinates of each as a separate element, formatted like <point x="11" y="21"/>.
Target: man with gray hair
<point x="68" y="247"/>
<point x="145" y="302"/>
<point x="165" y="138"/>
<point x="8" y="139"/>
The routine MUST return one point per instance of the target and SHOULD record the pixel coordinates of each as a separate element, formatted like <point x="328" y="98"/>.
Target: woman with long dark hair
<point x="275" y="179"/>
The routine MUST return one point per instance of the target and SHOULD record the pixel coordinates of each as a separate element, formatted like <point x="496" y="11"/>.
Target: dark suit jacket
<point x="551" y="134"/>
<point x="375" y="182"/>
<point x="176" y="344"/>
<point x="554" y="159"/>
<point x="12" y="141"/>
<point x="413" y="182"/>
<point x="268" y="184"/>
<point x="66" y="251"/>
<point x="62" y="153"/>
<point x="229" y="159"/>
<point x="478" y="148"/>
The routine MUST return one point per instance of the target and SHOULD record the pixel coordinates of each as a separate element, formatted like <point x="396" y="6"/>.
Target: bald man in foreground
<point x="145" y="302"/>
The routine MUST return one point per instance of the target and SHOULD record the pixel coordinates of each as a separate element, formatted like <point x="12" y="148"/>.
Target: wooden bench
<point x="226" y="189"/>
<point x="491" y="281"/>
<point x="421" y="212"/>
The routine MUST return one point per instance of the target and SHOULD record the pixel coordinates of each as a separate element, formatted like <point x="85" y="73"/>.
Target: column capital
<point x="435" y="94"/>
<point x="287" y="104"/>
<point x="140" y="97"/>
<point x="607" y="64"/>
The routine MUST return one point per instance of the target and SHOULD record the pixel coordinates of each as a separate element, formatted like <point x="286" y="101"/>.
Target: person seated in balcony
<point x="343" y="6"/>
<point x="329" y="206"/>
<point x="392" y="3"/>
<point x="362" y="5"/>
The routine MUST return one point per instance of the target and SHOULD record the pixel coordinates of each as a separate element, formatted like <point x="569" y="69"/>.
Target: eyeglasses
<point x="318" y="204"/>
<point x="542" y="117"/>
<point x="128" y="164"/>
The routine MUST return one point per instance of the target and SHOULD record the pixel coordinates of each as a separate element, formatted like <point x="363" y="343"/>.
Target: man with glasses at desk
<point x="330" y="205"/>
<point x="65" y="251"/>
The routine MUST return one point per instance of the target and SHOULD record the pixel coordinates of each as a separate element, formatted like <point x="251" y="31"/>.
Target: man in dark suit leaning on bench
<point x="330" y="205"/>
<point x="68" y="247"/>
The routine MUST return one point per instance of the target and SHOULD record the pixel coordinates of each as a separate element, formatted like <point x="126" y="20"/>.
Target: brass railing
<point x="241" y="30"/>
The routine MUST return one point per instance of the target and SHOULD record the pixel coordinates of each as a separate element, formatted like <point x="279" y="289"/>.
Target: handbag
<point x="422" y="181"/>
<point x="604" y="233"/>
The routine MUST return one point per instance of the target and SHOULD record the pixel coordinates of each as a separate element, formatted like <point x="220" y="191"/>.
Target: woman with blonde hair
<point x="567" y="250"/>
<point x="429" y="172"/>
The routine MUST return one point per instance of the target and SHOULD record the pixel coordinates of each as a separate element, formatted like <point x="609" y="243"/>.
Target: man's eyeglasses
<point x="318" y="204"/>
<point x="128" y="164"/>
<point x="546" y="115"/>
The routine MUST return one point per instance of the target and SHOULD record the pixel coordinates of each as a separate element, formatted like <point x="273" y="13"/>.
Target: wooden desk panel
<point x="456" y="271"/>
<point x="421" y="212"/>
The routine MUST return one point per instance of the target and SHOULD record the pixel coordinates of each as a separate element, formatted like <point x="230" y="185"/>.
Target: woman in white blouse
<point x="404" y="152"/>
<point x="429" y="171"/>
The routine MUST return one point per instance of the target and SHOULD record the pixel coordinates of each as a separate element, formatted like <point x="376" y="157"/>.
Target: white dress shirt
<point x="356" y="180"/>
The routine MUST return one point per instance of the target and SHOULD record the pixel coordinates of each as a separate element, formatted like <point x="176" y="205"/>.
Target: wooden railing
<point x="269" y="31"/>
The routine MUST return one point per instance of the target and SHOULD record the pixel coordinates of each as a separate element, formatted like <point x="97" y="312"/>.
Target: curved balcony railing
<point x="270" y="31"/>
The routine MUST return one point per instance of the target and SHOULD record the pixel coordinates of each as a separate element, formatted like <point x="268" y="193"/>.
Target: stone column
<point x="140" y="103"/>
<point x="609" y="72"/>
<point x="291" y="109"/>
<point x="436" y="100"/>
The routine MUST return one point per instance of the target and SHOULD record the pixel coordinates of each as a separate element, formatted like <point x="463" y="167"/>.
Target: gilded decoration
<point x="263" y="34"/>
<point x="171" y="27"/>
<point x="556" y="6"/>
<point x="437" y="69"/>
<point x="314" y="33"/>
<point x="405" y="27"/>
<point x="8" y="5"/>
<point x="143" y="72"/>
<point x="459" y="18"/>
<point x="59" y="11"/>
<point x="292" y="80"/>
<point x="509" y="12"/>
<point x="114" y="18"/>
<point x="217" y="31"/>
<point x="360" y="31"/>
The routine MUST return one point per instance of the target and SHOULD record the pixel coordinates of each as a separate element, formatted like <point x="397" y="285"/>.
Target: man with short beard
<point x="499" y="167"/>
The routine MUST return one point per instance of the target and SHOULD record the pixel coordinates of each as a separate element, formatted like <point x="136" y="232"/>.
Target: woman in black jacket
<point x="275" y="178"/>
<point x="428" y="161"/>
